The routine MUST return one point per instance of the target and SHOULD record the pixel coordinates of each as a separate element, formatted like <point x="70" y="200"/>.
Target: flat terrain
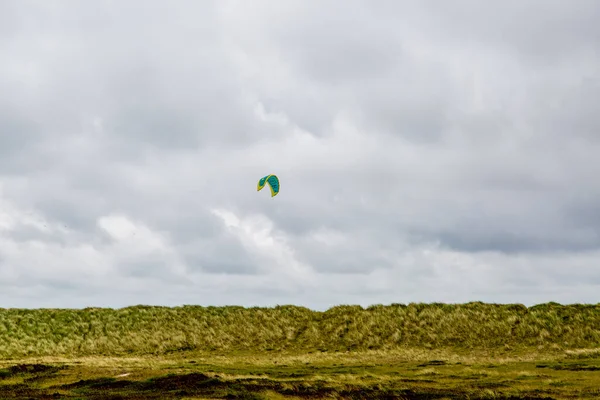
<point x="416" y="351"/>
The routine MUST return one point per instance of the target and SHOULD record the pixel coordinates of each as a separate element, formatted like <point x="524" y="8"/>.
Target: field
<point x="414" y="351"/>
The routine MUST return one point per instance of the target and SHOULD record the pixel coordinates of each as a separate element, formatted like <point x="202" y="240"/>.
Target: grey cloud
<point x="537" y="32"/>
<point x="349" y="259"/>
<point x="338" y="48"/>
<point x="18" y="133"/>
<point x="32" y="234"/>
<point x="206" y="245"/>
<point x="176" y="92"/>
<point x="514" y="242"/>
<point x="223" y="255"/>
<point x="480" y="122"/>
<point x="147" y="267"/>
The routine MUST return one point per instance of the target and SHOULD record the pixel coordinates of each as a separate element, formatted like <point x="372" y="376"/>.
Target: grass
<point x="414" y="351"/>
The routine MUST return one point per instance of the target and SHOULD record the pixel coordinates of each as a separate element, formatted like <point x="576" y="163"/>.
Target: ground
<point x="395" y="374"/>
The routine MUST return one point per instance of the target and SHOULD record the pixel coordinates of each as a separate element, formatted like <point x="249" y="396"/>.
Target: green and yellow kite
<point x="273" y="182"/>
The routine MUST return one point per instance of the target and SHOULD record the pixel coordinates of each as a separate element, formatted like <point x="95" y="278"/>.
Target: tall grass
<point x="158" y="330"/>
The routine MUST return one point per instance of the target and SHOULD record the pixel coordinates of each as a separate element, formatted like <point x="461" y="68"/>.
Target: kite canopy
<point x="273" y="182"/>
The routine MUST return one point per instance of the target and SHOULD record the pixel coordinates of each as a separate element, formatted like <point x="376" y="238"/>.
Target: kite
<point x="273" y="182"/>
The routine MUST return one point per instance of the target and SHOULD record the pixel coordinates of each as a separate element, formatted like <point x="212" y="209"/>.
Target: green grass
<point x="415" y="351"/>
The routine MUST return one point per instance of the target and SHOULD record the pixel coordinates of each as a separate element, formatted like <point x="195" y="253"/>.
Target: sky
<point x="428" y="151"/>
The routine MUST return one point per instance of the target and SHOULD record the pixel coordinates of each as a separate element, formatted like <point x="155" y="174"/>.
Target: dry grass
<point x="143" y="330"/>
<point x="415" y="351"/>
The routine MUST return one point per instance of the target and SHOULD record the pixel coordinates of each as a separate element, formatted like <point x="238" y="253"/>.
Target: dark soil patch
<point x="182" y="382"/>
<point x="490" y="385"/>
<point x="29" y="368"/>
<point x="432" y="362"/>
<point x="100" y="383"/>
<point x="33" y="369"/>
<point x="569" y="367"/>
<point x="38" y="372"/>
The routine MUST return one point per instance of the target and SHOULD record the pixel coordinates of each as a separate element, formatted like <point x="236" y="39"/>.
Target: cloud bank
<point x="427" y="151"/>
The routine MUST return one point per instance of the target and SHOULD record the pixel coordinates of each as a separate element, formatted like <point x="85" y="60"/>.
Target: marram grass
<point x="415" y="351"/>
<point x="150" y="330"/>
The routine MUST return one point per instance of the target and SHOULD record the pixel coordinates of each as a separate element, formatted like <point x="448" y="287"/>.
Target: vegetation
<point x="413" y="351"/>
<point x="144" y="330"/>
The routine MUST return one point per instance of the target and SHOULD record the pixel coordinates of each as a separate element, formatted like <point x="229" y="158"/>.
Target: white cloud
<point x="273" y="253"/>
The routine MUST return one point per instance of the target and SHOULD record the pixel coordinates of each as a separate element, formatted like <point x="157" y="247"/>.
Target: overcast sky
<point x="428" y="150"/>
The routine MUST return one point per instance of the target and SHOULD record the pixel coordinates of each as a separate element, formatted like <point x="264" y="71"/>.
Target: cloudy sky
<point x="428" y="151"/>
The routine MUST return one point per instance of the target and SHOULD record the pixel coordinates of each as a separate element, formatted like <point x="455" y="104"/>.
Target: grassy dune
<point x="413" y="351"/>
<point x="158" y="330"/>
